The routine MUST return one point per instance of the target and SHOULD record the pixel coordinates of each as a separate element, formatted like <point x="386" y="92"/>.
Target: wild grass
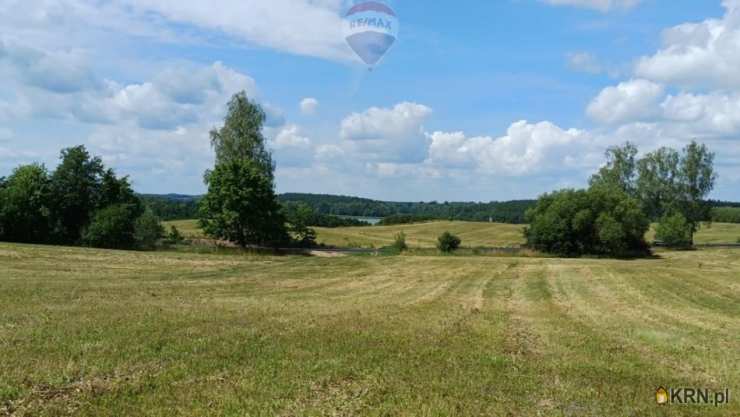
<point x="103" y="333"/>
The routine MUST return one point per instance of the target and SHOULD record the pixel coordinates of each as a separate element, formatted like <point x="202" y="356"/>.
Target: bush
<point x="403" y="219"/>
<point x="148" y="230"/>
<point x="448" y="243"/>
<point x="600" y="221"/>
<point x="174" y="236"/>
<point x="675" y="231"/>
<point x="399" y="242"/>
<point x="112" y="228"/>
<point x="299" y="216"/>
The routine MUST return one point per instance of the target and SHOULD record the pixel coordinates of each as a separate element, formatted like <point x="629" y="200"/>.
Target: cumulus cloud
<point x="632" y="100"/>
<point x="704" y="54"/>
<point x="291" y="148"/>
<point x="527" y="148"/>
<point x="601" y="5"/>
<point x="404" y="119"/>
<point x="177" y="96"/>
<point x="309" y="106"/>
<point x="389" y="134"/>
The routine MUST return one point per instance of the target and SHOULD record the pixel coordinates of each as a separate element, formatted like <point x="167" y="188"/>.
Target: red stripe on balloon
<point x="371" y="6"/>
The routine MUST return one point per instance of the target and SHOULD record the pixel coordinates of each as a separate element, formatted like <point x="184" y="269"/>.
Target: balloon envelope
<point x="371" y="29"/>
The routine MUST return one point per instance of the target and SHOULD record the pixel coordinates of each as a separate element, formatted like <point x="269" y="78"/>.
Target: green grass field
<point x="424" y="235"/>
<point x="88" y="332"/>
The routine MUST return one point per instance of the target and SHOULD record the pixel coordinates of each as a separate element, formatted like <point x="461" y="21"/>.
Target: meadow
<point x="473" y="234"/>
<point x="87" y="332"/>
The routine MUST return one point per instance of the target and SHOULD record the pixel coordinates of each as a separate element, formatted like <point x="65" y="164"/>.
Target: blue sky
<point x="476" y="101"/>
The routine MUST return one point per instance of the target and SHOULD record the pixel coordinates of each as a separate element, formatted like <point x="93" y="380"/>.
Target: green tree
<point x="448" y="243"/>
<point x="148" y="230"/>
<point x="113" y="190"/>
<point x="300" y="216"/>
<point x="241" y="205"/>
<point x="603" y="220"/>
<point x="675" y="231"/>
<point x="112" y="227"/>
<point x="657" y="183"/>
<point x="24" y="202"/>
<point x="75" y="186"/>
<point x="620" y="169"/>
<point x="241" y="138"/>
<point x="697" y="180"/>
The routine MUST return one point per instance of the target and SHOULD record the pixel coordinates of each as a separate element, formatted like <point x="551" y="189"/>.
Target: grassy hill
<point x="473" y="234"/>
<point x="91" y="332"/>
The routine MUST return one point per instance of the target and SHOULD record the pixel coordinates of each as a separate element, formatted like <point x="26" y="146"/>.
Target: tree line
<point x="81" y="202"/>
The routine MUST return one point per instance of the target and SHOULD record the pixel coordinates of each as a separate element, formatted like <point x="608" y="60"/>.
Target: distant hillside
<point x="502" y="212"/>
<point x="180" y="207"/>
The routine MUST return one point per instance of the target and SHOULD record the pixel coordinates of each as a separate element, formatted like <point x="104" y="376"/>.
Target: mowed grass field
<point x="424" y="235"/>
<point x="104" y="333"/>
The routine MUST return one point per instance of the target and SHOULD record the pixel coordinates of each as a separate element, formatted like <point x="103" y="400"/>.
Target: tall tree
<point x="241" y="205"/>
<point x="697" y="179"/>
<point x="24" y="205"/>
<point x="657" y="183"/>
<point x="241" y="138"/>
<point x="75" y="187"/>
<point x="620" y="168"/>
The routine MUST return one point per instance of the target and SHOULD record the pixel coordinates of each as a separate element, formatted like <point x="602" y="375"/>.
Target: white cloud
<point x="388" y="134"/>
<point x="182" y="95"/>
<point x="56" y="71"/>
<point x="526" y="149"/>
<point x="704" y="54"/>
<point x="584" y="62"/>
<point x="309" y="106"/>
<point x="601" y="5"/>
<point x="632" y="100"/>
<point x="289" y="137"/>
<point x="715" y="113"/>
<point x="291" y="148"/>
<point x="403" y="119"/>
<point x="305" y="27"/>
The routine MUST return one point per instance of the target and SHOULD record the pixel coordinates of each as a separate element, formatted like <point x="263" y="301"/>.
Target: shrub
<point x="148" y="230"/>
<point x="399" y="242"/>
<point x="112" y="228"/>
<point x="174" y="236"/>
<point x="448" y="243"/>
<point x="675" y="231"/>
<point x="600" y="221"/>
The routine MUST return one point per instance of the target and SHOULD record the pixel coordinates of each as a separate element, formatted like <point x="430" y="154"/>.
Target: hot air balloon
<point x="371" y="29"/>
